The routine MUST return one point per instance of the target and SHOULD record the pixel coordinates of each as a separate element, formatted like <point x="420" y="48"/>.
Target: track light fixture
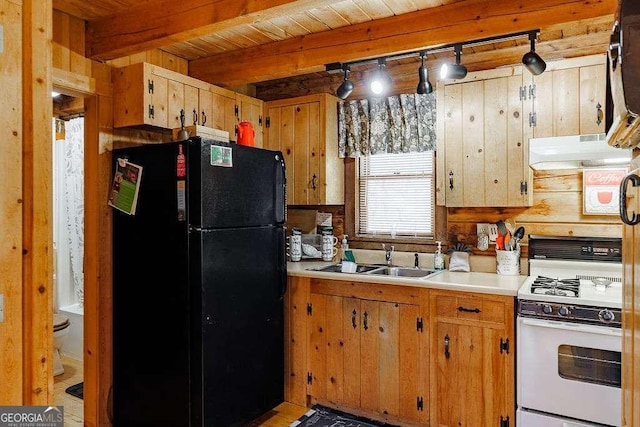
<point x="380" y="81"/>
<point x="345" y="89"/>
<point x="454" y="71"/>
<point x="531" y="59"/>
<point x="424" y="85"/>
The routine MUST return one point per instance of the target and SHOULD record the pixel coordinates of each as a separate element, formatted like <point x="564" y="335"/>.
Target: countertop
<point x="486" y="283"/>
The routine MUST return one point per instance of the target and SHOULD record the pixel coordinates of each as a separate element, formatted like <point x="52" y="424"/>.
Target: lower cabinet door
<point x="365" y="354"/>
<point x="470" y="376"/>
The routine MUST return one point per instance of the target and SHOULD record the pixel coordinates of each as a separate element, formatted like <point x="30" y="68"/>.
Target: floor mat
<point x="76" y="390"/>
<point x="321" y="416"/>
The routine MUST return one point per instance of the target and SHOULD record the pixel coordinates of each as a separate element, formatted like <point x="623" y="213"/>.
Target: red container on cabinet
<point x="246" y="134"/>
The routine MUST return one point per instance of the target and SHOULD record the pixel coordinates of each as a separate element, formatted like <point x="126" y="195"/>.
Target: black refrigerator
<point x="199" y="274"/>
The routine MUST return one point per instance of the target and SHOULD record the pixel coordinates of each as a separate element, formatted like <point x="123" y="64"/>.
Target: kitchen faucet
<point x="388" y="254"/>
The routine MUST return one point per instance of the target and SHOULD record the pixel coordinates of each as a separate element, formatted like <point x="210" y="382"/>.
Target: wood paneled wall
<point x="11" y="221"/>
<point x="556" y="210"/>
<point x="78" y="76"/>
<point x="37" y="201"/>
<point x="68" y="44"/>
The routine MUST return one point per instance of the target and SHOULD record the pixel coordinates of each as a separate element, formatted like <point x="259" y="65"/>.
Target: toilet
<point x="60" y="330"/>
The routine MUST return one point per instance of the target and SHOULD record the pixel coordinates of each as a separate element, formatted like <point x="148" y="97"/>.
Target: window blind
<point x="396" y="194"/>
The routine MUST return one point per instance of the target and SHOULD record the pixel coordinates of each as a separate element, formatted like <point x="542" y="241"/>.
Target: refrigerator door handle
<point x="280" y="201"/>
<point x="282" y="263"/>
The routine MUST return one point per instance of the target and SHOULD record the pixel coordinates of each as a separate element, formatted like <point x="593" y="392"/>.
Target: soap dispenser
<point x="345" y="247"/>
<point x="438" y="258"/>
<point x="347" y="255"/>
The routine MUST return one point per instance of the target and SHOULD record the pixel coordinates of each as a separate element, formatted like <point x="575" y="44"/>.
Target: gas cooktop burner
<point x="561" y="287"/>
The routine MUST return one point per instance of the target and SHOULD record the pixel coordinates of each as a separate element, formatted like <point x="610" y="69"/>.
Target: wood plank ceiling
<point x="281" y="46"/>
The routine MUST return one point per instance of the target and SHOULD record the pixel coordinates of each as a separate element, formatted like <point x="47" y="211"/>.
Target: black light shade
<point x="424" y="85"/>
<point x="454" y="71"/>
<point x="345" y="89"/>
<point x="532" y="60"/>
<point x="380" y="81"/>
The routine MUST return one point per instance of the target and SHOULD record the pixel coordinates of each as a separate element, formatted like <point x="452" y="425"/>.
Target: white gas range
<point x="569" y="333"/>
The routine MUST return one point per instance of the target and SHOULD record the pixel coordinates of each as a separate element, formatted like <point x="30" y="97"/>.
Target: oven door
<point x="570" y="370"/>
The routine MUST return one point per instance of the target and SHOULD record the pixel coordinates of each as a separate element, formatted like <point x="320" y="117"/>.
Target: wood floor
<point x="281" y="416"/>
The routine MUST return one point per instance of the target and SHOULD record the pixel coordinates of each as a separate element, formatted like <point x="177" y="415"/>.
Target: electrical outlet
<point x="1" y="308"/>
<point x="482" y="227"/>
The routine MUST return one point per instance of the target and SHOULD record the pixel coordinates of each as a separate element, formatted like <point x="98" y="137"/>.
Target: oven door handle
<point x="591" y="329"/>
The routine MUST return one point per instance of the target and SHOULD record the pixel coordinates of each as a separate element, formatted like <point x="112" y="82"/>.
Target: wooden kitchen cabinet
<point x="305" y="129"/>
<point x="145" y="94"/>
<point x="140" y="96"/>
<point x="198" y="107"/>
<point x="569" y="98"/>
<point x="230" y="108"/>
<point x="358" y="347"/>
<point x="365" y="349"/>
<point x="482" y="146"/>
<point x="472" y="350"/>
<point x="224" y="114"/>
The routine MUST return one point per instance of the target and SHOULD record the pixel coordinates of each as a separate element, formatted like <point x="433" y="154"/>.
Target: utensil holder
<point x="508" y="262"/>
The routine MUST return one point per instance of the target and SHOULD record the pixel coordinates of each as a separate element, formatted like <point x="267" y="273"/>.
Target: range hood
<point x="575" y="151"/>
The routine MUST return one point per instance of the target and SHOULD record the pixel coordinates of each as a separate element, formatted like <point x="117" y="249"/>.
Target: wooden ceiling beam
<point x="451" y="23"/>
<point x="158" y="23"/>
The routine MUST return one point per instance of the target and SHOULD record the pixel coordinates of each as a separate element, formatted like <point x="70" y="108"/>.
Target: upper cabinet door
<point x="482" y="149"/>
<point x="568" y="98"/>
<point x="224" y="112"/>
<point x="305" y="129"/>
<point x="140" y="97"/>
<point x="593" y="90"/>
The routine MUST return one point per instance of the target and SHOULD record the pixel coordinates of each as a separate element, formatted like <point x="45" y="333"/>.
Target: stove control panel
<point x="572" y="313"/>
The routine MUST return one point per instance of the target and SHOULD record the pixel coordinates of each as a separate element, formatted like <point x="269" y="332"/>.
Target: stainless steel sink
<point x="402" y="272"/>
<point x="337" y="268"/>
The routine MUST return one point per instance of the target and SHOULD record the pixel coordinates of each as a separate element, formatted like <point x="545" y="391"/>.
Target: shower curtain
<point x="74" y="201"/>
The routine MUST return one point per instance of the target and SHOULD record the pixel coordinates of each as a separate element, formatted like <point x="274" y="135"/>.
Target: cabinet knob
<point x="450" y="180"/>
<point x="313" y="181"/>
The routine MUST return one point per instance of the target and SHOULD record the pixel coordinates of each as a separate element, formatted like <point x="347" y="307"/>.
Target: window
<point x="396" y="194"/>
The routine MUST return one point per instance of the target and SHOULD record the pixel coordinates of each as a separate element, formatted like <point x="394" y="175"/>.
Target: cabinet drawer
<point x="473" y="307"/>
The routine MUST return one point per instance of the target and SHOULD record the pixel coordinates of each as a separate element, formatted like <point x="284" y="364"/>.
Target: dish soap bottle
<point x="345" y="247"/>
<point x="347" y="254"/>
<point x="438" y="258"/>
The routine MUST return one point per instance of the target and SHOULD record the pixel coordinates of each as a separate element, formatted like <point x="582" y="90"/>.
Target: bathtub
<point x="74" y="345"/>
